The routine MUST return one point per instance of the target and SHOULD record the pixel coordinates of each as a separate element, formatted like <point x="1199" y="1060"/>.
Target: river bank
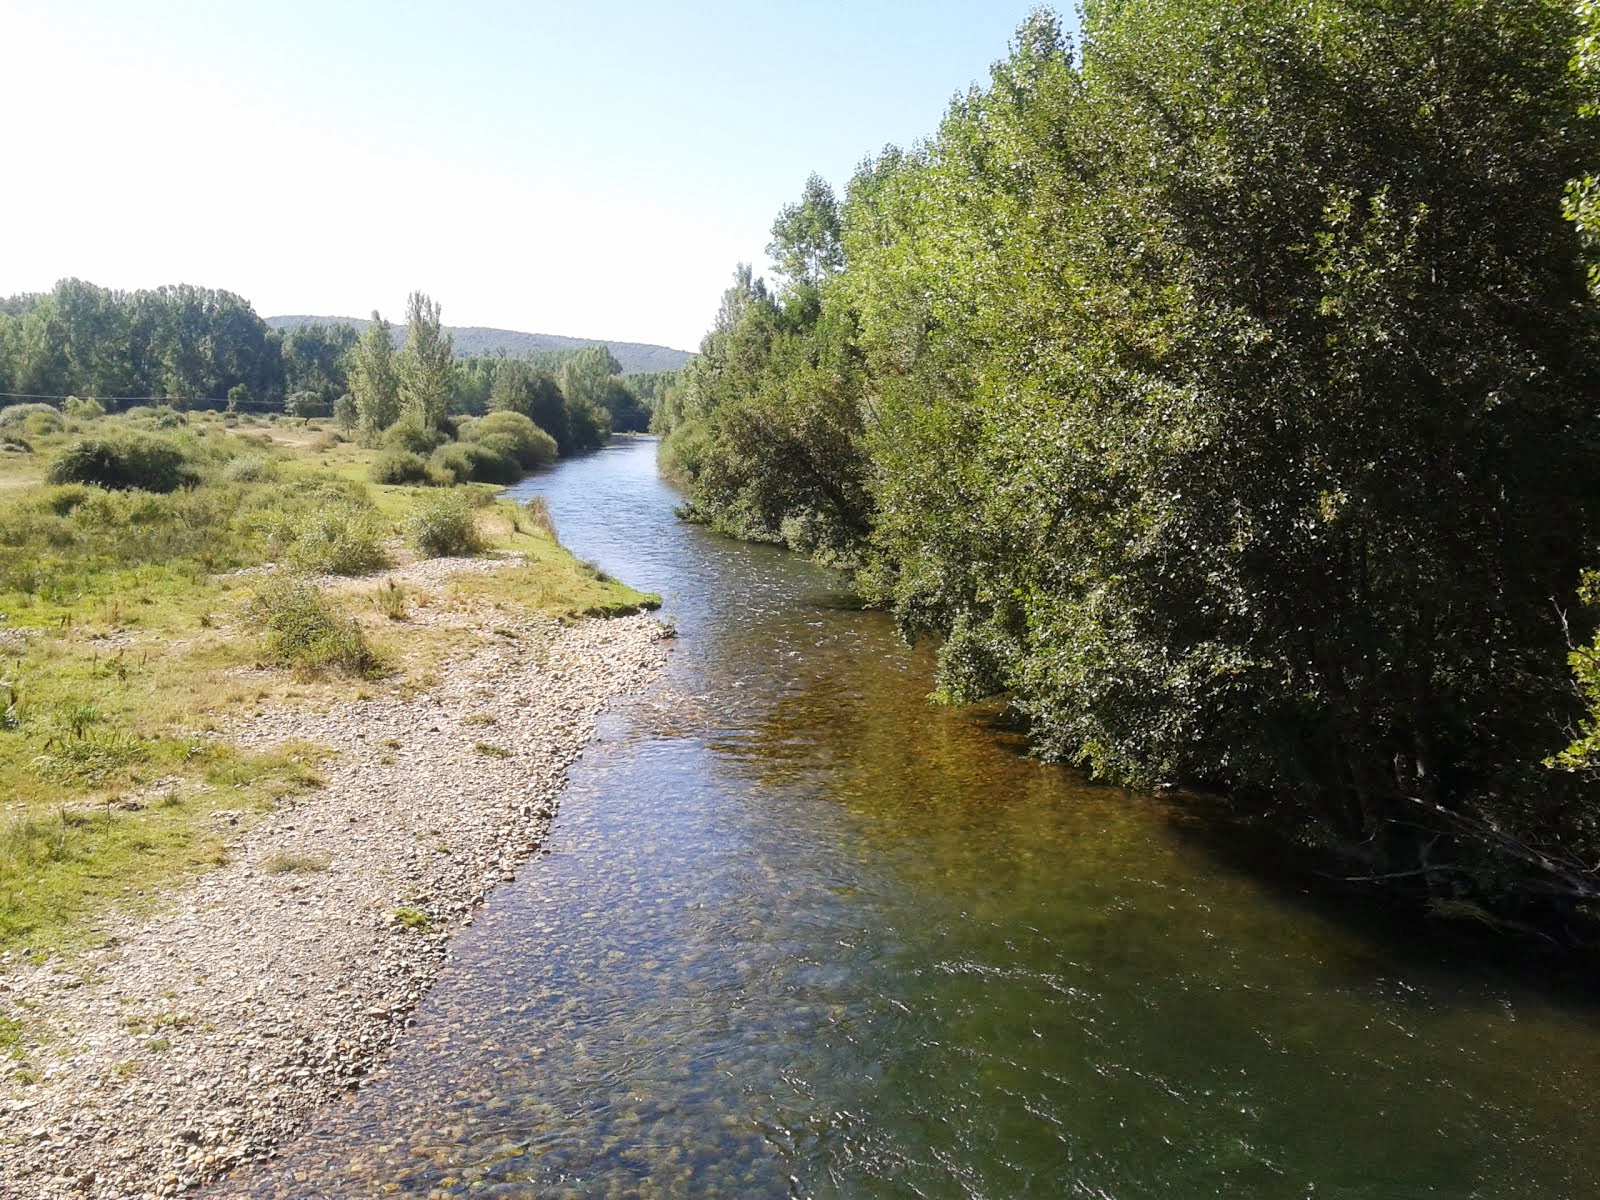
<point x="199" y="1039"/>
<point x="802" y="933"/>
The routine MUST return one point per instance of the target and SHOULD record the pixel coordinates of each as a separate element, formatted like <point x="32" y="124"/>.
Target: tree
<point x="346" y="412"/>
<point x="520" y="388"/>
<point x="623" y="407"/>
<point x="426" y="364"/>
<point x="1583" y="193"/>
<point x="313" y="357"/>
<point x="374" y="380"/>
<point x="805" y="245"/>
<point x="585" y="378"/>
<point x="1224" y="394"/>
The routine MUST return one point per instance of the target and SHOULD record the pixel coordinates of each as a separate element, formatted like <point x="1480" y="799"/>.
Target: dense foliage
<point x="194" y="348"/>
<point x="1224" y="392"/>
<point x="182" y="342"/>
<point x="130" y="462"/>
<point x="546" y="350"/>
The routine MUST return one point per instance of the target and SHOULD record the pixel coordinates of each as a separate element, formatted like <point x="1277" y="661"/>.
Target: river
<point x="799" y="933"/>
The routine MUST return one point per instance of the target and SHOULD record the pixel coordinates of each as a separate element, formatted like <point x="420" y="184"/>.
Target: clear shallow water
<point x="801" y="934"/>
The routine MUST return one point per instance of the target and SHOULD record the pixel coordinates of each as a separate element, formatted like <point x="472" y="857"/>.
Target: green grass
<point x="10" y="1037"/>
<point x="63" y="864"/>
<point x="128" y="649"/>
<point x="303" y="630"/>
<point x="552" y="581"/>
<point x="412" y="918"/>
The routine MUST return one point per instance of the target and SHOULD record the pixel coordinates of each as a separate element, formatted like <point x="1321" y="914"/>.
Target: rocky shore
<point x="200" y="1039"/>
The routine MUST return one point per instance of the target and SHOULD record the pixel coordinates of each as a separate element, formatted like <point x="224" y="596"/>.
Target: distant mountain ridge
<point x="476" y="339"/>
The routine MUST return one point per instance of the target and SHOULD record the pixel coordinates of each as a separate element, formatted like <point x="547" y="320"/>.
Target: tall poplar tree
<point x="427" y="363"/>
<point x="373" y="379"/>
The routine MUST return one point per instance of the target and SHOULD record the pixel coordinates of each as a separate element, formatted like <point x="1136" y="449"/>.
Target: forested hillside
<point x="1223" y="391"/>
<point x="475" y="340"/>
<point x="198" y="348"/>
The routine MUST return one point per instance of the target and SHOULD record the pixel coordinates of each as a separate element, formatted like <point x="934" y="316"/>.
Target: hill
<point x="476" y="339"/>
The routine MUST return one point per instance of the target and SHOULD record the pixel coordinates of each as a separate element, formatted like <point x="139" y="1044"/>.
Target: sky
<point x="592" y="169"/>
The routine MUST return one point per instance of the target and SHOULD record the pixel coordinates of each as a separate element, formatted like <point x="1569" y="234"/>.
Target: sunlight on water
<point x="801" y="934"/>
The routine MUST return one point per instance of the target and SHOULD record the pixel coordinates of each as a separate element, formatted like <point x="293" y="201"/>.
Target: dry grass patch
<point x="296" y="864"/>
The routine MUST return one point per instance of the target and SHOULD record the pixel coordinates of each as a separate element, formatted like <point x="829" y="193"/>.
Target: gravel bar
<point x="202" y="1038"/>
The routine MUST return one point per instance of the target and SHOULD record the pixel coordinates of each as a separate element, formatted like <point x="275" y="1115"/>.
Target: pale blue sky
<point x="591" y="169"/>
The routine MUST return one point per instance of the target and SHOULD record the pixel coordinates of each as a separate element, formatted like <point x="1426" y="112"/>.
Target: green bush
<point x="444" y="525"/>
<point x="249" y="468"/>
<point x="304" y="632"/>
<point x="131" y="461"/>
<point x="408" y="435"/>
<point x="338" y="539"/>
<point x="515" y="436"/>
<point x="82" y="408"/>
<point x="41" y="424"/>
<point x="62" y="500"/>
<point x="471" y="462"/>
<point x="16" y="417"/>
<point x="154" y="418"/>
<point x="398" y="466"/>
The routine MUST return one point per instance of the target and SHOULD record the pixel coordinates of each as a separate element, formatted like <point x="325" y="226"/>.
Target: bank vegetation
<point x="1221" y="388"/>
<point x="167" y="576"/>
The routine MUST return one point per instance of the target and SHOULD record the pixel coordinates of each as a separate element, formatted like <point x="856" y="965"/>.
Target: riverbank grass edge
<point x="137" y="630"/>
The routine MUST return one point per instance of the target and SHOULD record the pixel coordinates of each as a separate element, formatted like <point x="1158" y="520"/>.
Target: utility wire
<point x="189" y="400"/>
<point x="117" y="399"/>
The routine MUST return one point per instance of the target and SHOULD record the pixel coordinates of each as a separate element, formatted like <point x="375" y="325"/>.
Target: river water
<point x="801" y="934"/>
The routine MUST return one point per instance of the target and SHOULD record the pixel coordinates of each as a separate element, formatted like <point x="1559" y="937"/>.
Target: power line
<point x="188" y="400"/>
<point x="113" y="399"/>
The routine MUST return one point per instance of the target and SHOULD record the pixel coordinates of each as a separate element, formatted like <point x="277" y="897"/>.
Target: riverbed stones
<point x="201" y="1038"/>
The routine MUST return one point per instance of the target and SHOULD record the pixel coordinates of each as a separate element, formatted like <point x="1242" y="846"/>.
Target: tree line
<point x="1222" y="390"/>
<point x="203" y="348"/>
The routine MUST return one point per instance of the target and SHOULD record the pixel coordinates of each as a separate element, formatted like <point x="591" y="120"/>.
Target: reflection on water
<point x="800" y="934"/>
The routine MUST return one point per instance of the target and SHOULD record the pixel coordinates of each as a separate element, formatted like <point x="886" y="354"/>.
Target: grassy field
<point x="136" y="627"/>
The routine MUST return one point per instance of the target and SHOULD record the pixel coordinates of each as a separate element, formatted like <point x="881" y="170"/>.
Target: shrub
<point x="339" y="539"/>
<point x="303" y="631"/>
<point x="13" y="416"/>
<point x="84" y="408"/>
<point x="151" y="464"/>
<point x="249" y="468"/>
<point x="40" y="424"/>
<point x="470" y="462"/>
<point x="154" y="418"/>
<point x="62" y="500"/>
<point x="516" y="436"/>
<point x="398" y="466"/>
<point x="408" y="435"/>
<point x="444" y="525"/>
<point x="391" y="601"/>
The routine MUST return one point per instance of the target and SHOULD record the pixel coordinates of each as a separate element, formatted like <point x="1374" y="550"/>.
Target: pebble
<point x="204" y="1037"/>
